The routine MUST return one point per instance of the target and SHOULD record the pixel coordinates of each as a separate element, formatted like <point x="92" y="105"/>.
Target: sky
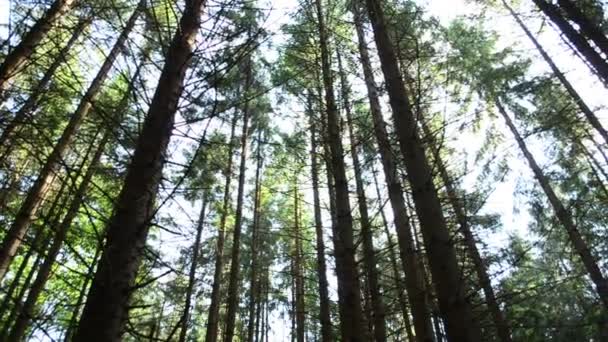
<point x="502" y="200"/>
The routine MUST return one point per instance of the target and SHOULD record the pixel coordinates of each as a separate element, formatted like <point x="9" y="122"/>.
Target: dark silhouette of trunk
<point x="324" y="313"/>
<point x="235" y="260"/>
<point x="28" y="310"/>
<point x="351" y="313"/>
<point x="69" y="332"/>
<point x="17" y="58"/>
<point x="216" y="295"/>
<point x="34" y="198"/>
<point x="502" y="326"/>
<point x="594" y="59"/>
<point x="403" y="306"/>
<point x="409" y="256"/>
<point x="8" y="295"/>
<point x="378" y="310"/>
<point x="447" y="276"/>
<point x="563" y="215"/>
<point x="185" y="320"/>
<point x="300" y="309"/>
<point x="254" y="281"/>
<point x="106" y="309"/>
<point x="587" y="27"/>
<point x="589" y="114"/>
<point x="22" y="116"/>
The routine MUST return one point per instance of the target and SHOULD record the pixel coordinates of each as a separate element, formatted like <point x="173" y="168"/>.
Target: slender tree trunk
<point x="563" y="215"/>
<point x="34" y="197"/>
<point x="588" y="28"/>
<point x="324" y="313"/>
<point x="589" y="114"/>
<point x="254" y="281"/>
<point x="447" y="276"/>
<point x="28" y="309"/>
<point x="409" y="256"/>
<point x="582" y="45"/>
<point x="8" y="296"/>
<point x="216" y="295"/>
<point x="106" y="310"/>
<point x="300" y="312"/>
<point x="395" y="266"/>
<point x="185" y="320"/>
<point x="23" y="115"/>
<point x="501" y="323"/>
<point x="351" y="321"/>
<point x="378" y="312"/>
<point x="235" y="266"/>
<point x="19" y="55"/>
<point x="81" y="297"/>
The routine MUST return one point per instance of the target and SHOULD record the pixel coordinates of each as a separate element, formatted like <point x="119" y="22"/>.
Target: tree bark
<point x="586" y="26"/>
<point x="409" y="256"/>
<point x="235" y="260"/>
<point x="502" y="325"/>
<point x="300" y="312"/>
<point x="17" y="58"/>
<point x="596" y="61"/>
<point x="28" y="310"/>
<point x="395" y="266"/>
<point x="351" y="322"/>
<point x="563" y="215"/>
<point x="23" y="115"/>
<point x="106" y="310"/>
<point x="216" y="295"/>
<point x="589" y="114"/>
<point x="324" y="313"/>
<point x="447" y="276"/>
<point x="254" y="281"/>
<point x="378" y="312"/>
<point x="34" y="198"/>
<point x="185" y="320"/>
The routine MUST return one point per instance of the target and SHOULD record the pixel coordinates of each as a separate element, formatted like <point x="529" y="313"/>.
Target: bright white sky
<point x="502" y="201"/>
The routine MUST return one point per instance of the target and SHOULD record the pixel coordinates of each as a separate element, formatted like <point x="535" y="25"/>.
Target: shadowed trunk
<point x="564" y="216"/>
<point x="17" y="58"/>
<point x="34" y="198"/>
<point x="409" y="256"/>
<point x="447" y="276"/>
<point x="106" y="310"/>
<point x="351" y="313"/>
<point x="589" y="114"/>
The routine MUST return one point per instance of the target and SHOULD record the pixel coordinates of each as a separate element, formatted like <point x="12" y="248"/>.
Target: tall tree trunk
<point x="588" y="28"/>
<point x="69" y="332"/>
<point x="596" y="61"/>
<point x="185" y="320"/>
<point x="254" y="281"/>
<point x="28" y="310"/>
<point x="235" y="260"/>
<point x="589" y="114"/>
<point x="405" y="313"/>
<point x="106" y="310"/>
<point x="324" y="313"/>
<point x="351" y="322"/>
<point x="378" y="312"/>
<point x="216" y="295"/>
<point x="300" y="312"/>
<point x="23" y="115"/>
<point x="447" y="276"/>
<point x="16" y="59"/>
<point x="502" y="325"/>
<point x="409" y="256"/>
<point x="34" y="197"/>
<point x="563" y="215"/>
